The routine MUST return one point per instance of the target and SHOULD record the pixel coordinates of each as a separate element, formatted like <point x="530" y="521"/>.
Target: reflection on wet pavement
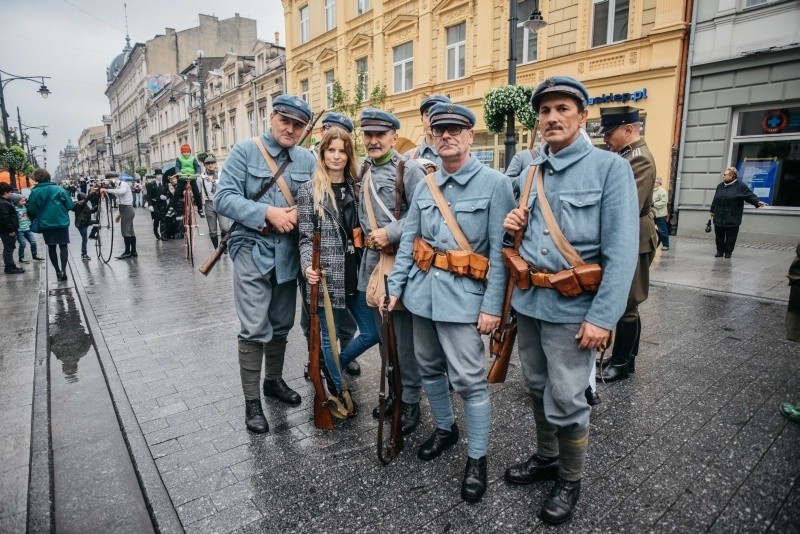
<point x="69" y="339"/>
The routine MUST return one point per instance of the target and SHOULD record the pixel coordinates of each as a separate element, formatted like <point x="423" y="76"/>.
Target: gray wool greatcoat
<point x="332" y="245"/>
<point x="384" y="177"/>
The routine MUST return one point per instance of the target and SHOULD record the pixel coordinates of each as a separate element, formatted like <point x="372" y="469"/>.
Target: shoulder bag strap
<point x="563" y="246"/>
<point x="449" y="218"/>
<point x="284" y="187"/>
<point x="373" y="224"/>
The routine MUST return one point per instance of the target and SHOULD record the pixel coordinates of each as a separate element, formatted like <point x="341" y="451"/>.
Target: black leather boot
<point x="254" y="417"/>
<point x="635" y="352"/>
<point x="592" y="397"/>
<point x="278" y="389"/>
<point x="410" y="418"/>
<point x="621" y="355"/>
<point x="437" y="443"/>
<point x="474" y="484"/>
<point x="534" y="468"/>
<point x="561" y="502"/>
<point x="353" y="368"/>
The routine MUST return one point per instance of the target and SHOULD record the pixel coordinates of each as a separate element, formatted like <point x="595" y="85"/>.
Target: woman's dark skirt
<point x="56" y="236"/>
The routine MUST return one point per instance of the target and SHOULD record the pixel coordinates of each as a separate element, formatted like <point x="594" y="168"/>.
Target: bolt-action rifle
<point x="322" y="416"/>
<point x="212" y="260"/>
<point x="502" y="340"/>
<point x="389" y="358"/>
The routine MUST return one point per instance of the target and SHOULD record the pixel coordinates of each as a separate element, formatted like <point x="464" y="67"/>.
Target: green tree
<point x="342" y="102"/>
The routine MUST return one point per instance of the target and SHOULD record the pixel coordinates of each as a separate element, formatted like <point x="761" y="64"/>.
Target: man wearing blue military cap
<point x="569" y="292"/>
<point x="449" y="274"/>
<point x="337" y="120"/>
<point x="388" y="182"/>
<point x="426" y="150"/>
<point x="264" y="248"/>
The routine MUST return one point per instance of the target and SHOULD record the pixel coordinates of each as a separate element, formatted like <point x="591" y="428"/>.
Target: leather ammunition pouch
<point x="358" y="237"/>
<point x="569" y="282"/>
<point x="458" y="262"/>
<point x="518" y="268"/>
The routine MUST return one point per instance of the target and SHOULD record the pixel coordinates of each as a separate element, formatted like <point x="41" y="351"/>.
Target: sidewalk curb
<point x="668" y="285"/>
<point x="159" y="504"/>
<point x="40" y="481"/>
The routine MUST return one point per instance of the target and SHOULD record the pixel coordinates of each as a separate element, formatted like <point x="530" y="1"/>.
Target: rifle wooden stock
<point x="212" y="260"/>
<point x="502" y="340"/>
<point x="389" y="357"/>
<point x="322" y="416"/>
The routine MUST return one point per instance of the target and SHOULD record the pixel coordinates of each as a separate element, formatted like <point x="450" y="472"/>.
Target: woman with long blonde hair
<point x="330" y="198"/>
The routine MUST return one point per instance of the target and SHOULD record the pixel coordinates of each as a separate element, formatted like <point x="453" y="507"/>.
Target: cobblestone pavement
<point x="693" y="442"/>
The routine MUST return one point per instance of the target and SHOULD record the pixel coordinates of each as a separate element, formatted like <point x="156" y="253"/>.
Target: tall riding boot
<point x="274" y="385"/>
<point x="127" y="254"/>
<point x="250" y="355"/>
<point x="632" y="363"/>
<point x="623" y="348"/>
<point x="215" y="241"/>
<point x="133" y="246"/>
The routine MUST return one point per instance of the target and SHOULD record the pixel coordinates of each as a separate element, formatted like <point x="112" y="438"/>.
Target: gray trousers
<point x="409" y="369"/>
<point x="556" y="370"/>
<point x="126" y="214"/>
<point x="217" y="224"/>
<point x="265" y="308"/>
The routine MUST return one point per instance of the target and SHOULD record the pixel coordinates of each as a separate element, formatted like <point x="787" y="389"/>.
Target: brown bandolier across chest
<point x="464" y="262"/>
<point x="569" y="282"/>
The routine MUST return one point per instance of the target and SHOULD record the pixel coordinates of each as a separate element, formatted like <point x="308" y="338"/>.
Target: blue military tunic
<point x="244" y="174"/>
<point x="480" y="198"/>
<point x="593" y="196"/>
<point x="425" y="151"/>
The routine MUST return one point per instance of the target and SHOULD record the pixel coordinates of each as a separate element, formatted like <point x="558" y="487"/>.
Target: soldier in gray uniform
<point x="452" y="305"/>
<point x="265" y="266"/>
<point x="426" y="150"/>
<point x="620" y="127"/>
<point x="593" y="199"/>
<point x="379" y="135"/>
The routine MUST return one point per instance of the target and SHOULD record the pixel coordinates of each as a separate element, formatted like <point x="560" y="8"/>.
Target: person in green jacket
<point x="187" y="168"/>
<point x="50" y="204"/>
<point x="659" y="209"/>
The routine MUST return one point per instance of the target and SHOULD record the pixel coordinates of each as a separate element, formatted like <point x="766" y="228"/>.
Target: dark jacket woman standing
<point x="727" y="208"/>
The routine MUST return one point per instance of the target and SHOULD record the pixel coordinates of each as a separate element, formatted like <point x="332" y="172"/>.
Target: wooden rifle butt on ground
<point x="390" y="357"/>
<point x="212" y="260"/>
<point x="322" y="416"/>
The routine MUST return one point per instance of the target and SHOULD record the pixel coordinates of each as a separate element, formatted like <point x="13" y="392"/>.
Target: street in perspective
<point x="403" y="266"/>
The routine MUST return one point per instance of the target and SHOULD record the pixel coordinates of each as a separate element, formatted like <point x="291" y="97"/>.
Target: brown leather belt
<point x="540" y="279"/>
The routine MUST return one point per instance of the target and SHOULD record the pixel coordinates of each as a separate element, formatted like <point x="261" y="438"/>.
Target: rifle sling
<point x="284" y="187"/>
<point x="449" y="218"/>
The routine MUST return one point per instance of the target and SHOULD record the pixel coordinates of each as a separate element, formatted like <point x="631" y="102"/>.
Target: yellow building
<point x="460" y="48"/>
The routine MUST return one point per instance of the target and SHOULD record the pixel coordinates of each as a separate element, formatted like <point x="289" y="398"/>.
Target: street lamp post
<point x="534" y="23"/>
<point x="43" y="90"/>
<point x="202" y="99"/>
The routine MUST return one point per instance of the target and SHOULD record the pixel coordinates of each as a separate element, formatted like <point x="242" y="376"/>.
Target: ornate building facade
<point x="625" y="51"/>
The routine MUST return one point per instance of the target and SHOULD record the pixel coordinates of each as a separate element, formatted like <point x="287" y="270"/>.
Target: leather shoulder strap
<point x="282" y="185"/>
<point x="563" y="246"/>
<point x="523" y="202"/>
<point x="449" y="218"/>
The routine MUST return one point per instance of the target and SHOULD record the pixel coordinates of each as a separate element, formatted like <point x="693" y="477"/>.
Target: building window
<point x="223" y="133"/>
<point x="233" y="130"/>
<point x="362" y="78"/>
<point x="330" y="15"/>
<point x="262" y="112"/>
<point x="251" y="121"/>
<point x="303" y="24"/>
<point x="329" y="88"/>
<point x="231" y="81"/>
<point x="403" y="67"/>
<point x="527" y="44"/>
<point x="304" y="91"/>
<point x="362" y="6"/>
<point x="456" y="48"/>
<point x="751" y="3"/>
<point x="766" y="151"/>
<point x="609" y="21"/>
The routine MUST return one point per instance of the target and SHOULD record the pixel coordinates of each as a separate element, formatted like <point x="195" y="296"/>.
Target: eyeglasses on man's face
<point x="452" y="129"/>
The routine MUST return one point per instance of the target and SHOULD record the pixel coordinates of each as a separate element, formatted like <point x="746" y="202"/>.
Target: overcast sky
<point x="73" y="41"/>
